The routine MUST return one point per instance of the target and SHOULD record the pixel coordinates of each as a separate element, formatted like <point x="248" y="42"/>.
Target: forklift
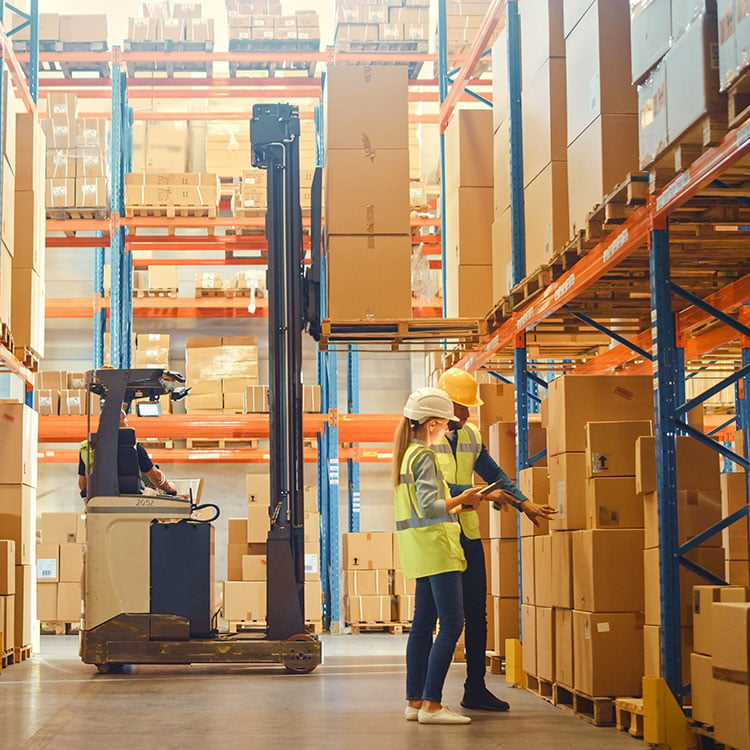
<point x="148" y="564"/>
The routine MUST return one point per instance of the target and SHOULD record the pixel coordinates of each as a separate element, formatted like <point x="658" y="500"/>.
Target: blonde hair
<point x="401" y="440"/>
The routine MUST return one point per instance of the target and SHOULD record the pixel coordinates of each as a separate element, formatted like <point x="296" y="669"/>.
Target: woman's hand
<point x="468" y="500"/>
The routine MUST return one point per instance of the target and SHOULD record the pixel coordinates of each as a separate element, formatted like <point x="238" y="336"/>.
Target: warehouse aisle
<point x="352" y="701"/>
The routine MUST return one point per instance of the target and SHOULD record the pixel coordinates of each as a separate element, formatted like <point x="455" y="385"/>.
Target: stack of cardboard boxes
<point x="734" y="41"/>
<point x="64" y="393"/>
<point x="383" y="23"/>
<point x="183" y="191"/>
<point x="375" y="589"/>
<point x="8" y="157"/>
<point x="463" y="21"/>
<point x="721" y="656"/>
<point x="735" y="537"/>
<point x="88" y="29"/>
<point x="245" y="588"/>
<point x="59" y="567"/>
<point x="219" y="370"/>
<point x="151" y="350"/>
<point x="7" y="595"/>
<point x="367" y="192"/>
<point x="256" y="399"/>
<point x="227" y="148"/>
<point x="76" y="155"/>
<point x="184" y="24"/>
<point x="262" y="21"/>
<point x="468" y="190"/>
<point x="674" y="62"/>
<point x="602" y="105"/>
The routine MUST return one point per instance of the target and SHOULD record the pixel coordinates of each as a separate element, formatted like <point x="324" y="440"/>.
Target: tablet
<point x="491" y="487"/>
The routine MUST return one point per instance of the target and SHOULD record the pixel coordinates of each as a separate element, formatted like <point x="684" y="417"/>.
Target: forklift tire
<point x="109" y="668"/>
<point x="294" y="669"/>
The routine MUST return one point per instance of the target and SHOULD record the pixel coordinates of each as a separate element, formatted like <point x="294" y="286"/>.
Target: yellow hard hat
<point x="461" y="386"/>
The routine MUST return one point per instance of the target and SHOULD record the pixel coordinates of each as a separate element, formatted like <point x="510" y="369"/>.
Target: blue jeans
<point x="439" y="596"/>
<point x="475" y="611"/>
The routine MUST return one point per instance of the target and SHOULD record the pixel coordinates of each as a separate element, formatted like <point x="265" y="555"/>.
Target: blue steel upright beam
<point x="522" y="440"/>
<point x="665" y="398"/>
<point x="100" y="312"/>
<point x="331" y="478"/>
<point x="352" y="397"/>
<point x="118" y="285"/>
<point x="517" y="211"/>
<point x="443" y="80"/>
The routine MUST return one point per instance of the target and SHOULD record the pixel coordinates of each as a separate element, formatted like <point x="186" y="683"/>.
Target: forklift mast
<point x="274" y="138"/>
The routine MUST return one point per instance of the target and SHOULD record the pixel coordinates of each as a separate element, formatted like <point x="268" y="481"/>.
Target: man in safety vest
<point x="150" y="473"/>
<point x="460" y="455"/>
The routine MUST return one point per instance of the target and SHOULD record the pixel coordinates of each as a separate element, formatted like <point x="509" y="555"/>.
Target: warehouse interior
<point x="550" y="195"/>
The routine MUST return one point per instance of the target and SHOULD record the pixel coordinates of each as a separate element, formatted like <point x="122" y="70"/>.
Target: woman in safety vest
<point x="430" y="549"/>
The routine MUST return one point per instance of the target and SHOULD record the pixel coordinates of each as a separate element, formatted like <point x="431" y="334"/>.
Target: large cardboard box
<point x="541" y="35"/>
<point x="697" y="465"/>
<point x="528" y="571"/>
<point x="369" y="609"/>
<point x="71" y="563"/>
<point x="731" y="663"/>
<point x="503" y="561"/>
<point x="469" y="291"/>
<point x="468" y="229"/>
<point x="502" y="269"/>
<point x="652" y="116"/>
<point x="384" y="291"/>
<point x="244" y="600"/>
<point x="608" y="652"/>
<point x="704" y="598"/>
<point x="650" y="34"/>
<point x="701" y="688"/>
<point x="30" y="152"/>
<point x="48" y="563"/>
<point x="7" y="620"/>
<point x="7" y="567"/>
<point x="19" y="426"/>
<point x="17" y="517"/>
<point x="313" y="601"/>
<point x="500" y="94"/>
<point x="528" y="628"/>
<point x="29" y="231"/>
<point x="258" y="523"/>
<point x="734" y="497"/>
<point x="505" y="621"/>
<point x="601" y="583"/>
<point x="564" y="668"/>
<point x="544" y="118"/>
<point x="610" y="447"/>
<point x="567" y="485"/>
<point x="367" y="193"/>
<point x="373" y="583"/>
<point x="46" y="602"/>
<point x="69" y="596"/>
<point x="8" y="207"/>
<point x="60" y="193"/>
<point x="501" y="168"/>
<point x="62" y="528"/>
<point x="543" y="572"/>
<point x="468" y="148"/>
<point x="401" y="585"/>
<point x="697" y="510"/>
<point x="49" y="27"/>
<point x="356" y="98"/>
<point x="612" y="503"/>
<point x="546" y="642"/>
<point x="652" y="651"/>
<point x="575" y="400"/>
<point x="83" y="28"/>
<point x="24" y="588"/>
<point x="597" y="57"/>
<point x="500" y="439"/>
<point x="546" y="203"/>
<point x="368" y="550"/>
<point x="534" y="483"/>
<point x="562" y="567"/>
<point x="27" y="310"/>
<point x="254" y="567"/>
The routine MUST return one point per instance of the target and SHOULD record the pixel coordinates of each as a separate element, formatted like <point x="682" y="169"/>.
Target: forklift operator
<point x="151" y="475"/>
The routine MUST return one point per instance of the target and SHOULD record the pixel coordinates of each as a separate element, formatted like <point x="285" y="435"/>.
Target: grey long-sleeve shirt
<point x="426" y="485"/>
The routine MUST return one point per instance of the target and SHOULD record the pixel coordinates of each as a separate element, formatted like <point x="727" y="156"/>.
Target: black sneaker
<point x="483" y="701"/>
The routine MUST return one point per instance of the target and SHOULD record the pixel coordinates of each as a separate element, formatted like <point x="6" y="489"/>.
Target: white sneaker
<point x="443" y="716"/>
<point x="411" y="713"/>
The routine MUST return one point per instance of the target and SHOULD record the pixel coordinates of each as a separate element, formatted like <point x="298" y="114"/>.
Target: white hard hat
<point x="428" y="402"/>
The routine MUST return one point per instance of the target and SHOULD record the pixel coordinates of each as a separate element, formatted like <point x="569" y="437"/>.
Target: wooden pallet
<point x="171" y="211"/>
<point x="247" y="626"/>
<point x="167" y="292"/>
<point x="27" y="357"/>
<point x="8" y="658"/>
<point x="168" y="67"/>
<point x="496" y="664"/>
<point x="617" y="206"/>
<point x="24" y="46"/>
<point x="314" y="627"/>
<point x="273" y="45"/>
<point x="77" y="213"/>
<point x="221" y="443"/>
<point x="60" y="628"/>
<point x="539" y="686"/>
<point x="629" y="716"/>
<point x="703" y="737"/>
<point x="69" y="69"/>
<point x="395" y="628"/>
<point x="598" y="711"/>
<point x="21" y="653"/>
<point x="420" y="46"/>
<point x="739" y="99"/>
<point x="533" y="284"/>
<point x="6" y="337"/>
<point x="212" y="292"/>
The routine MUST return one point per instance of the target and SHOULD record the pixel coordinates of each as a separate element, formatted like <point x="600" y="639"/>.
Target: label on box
<point x="587" y="630"/>
<point x="602" y="627"/>
<point x="561" y="500"/>
<point x="46" y="569"/>
<point x="594" y="94"/>
<point x="311" y="563"/>
<point x="598" y="463"/>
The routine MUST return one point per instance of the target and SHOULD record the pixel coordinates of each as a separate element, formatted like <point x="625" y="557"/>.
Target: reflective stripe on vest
<point x="459" y="469"/>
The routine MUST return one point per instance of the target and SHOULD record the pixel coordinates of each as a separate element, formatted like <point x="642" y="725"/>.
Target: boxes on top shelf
<point x="83" y="28"/>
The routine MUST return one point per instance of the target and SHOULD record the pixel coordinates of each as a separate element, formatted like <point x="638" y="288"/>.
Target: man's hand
<point x="470" y="497"/>
<point x="501" y="499"/>
<point x="534" y="511"/>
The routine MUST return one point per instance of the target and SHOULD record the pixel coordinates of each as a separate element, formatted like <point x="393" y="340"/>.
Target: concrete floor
<point x="353" y="701"/>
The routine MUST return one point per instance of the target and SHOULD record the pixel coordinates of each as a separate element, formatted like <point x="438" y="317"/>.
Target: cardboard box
<point x="369" y="609"/>
<point x="564" y="668"/>
<point x="235" y="553"/>
<point x="599" y="159"/>
<point x="500" y="95"/>
<point x="737" y="572"/>
<point x="562" y="566"/>
<point x="650" y="35"/>
<point x="503" y="523"/>
<point x="502" y="273"/>
<point x="30" y="152"/>
<point x="575" y="400"/>
<point x="701" y="684"/>
<point x="46" y="602"/>
<point x="7" y="567"/>
<point x="312" y="562"/>
<point x="541" y="35"/>
<point x="731" y="660"/>
<point x="49" y="27"/>
<point x="60" y="164"/>
<point x="469" y="291"/>
<point x="244" y="601"/>
<point x="697" y="510"/>
<point x="367" y="192"/>
<point x="312" y="528"/>
<point x="543" y="571"/>
<point x="24" y="590"/>
<point x="29" y="230"/>
<point x="546" y="641"/>
<point x="597" y="58"/>
<point x="62" y="107"/>
<point x="612" y="502"/>
<point x="608" y="652"/>
<point x="254" y="567"/>
<point x="697" y="465"/>
<point x="652" y="651"/>
<point x="704" y="598"/>
<point x="71" y="563"/>
<point x="163" y="277"/>
<point x="528" y="628"/>
<point x="504" y="621"/>
<point x="69" y="602"/>
<point x="313" y="601"/>
<point x="468" y="146"/>
<point x="500" y="439"/>
<point x="19" y="427"/>
<point x="237" y="530"/>
<point x="546" y="203"/>
<point x="384" y="292"/>
<point x="83" y="28"/>
<point x="8" y="208"/>
<point x="27" y="311"/>
<point x="734" y="497"/>
<point x="48" y="563"/>
<point x="710" y="558"/>
<point x="468" y="236"/>
<point x="567" y="485"/>
<point x="610" y="447"/>
<point x="528" y="570"/>
<point x="401" y="585"/>
<point x="503" y="561"/>
<point x="7" y="621"/>
<point x="600" y="582"/>
<point x="652" y="116"/>
<point x="355" y="98"/>
<point x="405" y="607"/>
<point x="258" y="523"/>
<point x="60" y="193"/>
<point x="374" y="583"/>
<point x="367" y="550"/>
<point x="17" y="514"/>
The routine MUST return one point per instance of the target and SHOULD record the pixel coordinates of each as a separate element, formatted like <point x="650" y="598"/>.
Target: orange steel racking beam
<point x="469" y="64"/>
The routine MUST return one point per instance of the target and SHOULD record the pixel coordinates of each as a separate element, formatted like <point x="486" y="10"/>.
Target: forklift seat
<point x="128" y="471"/>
